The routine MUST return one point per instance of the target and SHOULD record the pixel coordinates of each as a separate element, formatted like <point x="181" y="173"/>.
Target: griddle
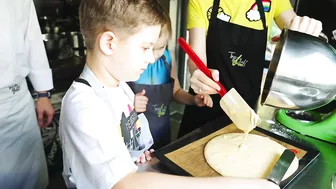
<point x="185" y="156"/>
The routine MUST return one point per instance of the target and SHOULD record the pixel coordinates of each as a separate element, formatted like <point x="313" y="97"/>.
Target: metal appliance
<point x="301" y="80"/>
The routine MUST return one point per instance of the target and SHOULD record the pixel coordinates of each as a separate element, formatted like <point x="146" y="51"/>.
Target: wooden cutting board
<point x="191" y="156"/>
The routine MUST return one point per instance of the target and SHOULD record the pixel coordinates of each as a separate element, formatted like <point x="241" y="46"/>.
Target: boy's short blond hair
<point x="166" y="29"/>
<point x="122" y="17"/>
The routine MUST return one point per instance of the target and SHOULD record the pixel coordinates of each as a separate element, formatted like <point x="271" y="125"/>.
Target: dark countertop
<point x="316" y="176"/>
<point x="64" y="72"/>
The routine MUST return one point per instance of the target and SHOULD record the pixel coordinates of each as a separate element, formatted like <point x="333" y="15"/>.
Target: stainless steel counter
<point x="316" y="176"/>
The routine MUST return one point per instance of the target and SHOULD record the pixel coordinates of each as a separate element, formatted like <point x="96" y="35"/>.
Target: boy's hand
<point x="140" y="101"/>
<point x="146" y="156"/>
<point x="203" y="100"/>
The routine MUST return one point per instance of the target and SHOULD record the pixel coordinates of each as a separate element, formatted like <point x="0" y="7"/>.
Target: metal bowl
<point x="302" y="73"/>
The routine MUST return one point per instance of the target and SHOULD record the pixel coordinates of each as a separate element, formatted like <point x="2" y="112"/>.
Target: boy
<point x="102" y="136"/>
<point x="157" y="85"/>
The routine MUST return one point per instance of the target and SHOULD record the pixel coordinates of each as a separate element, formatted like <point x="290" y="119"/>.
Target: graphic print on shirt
<point x="253" y="14"/>
<point x="131" y="129"/>
<point x="221" y="14"/>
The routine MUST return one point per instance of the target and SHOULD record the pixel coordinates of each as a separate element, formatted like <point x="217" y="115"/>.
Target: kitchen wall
<point x="69" y="8"/>
<point x="324" y="10"/>
<point x="57" y="8"/>
<point x="66" y="7"/>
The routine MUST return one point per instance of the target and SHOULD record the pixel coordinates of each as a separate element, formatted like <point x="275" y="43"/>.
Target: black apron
<point x="238" y="53"/>
<point x="157" y="110"/>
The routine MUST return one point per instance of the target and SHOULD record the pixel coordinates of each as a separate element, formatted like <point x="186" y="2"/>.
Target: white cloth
<point x="22" y="51"/>
<point x="22" y="54"/>
<point x="22" y="159"/>
<point x="92" y="123"/>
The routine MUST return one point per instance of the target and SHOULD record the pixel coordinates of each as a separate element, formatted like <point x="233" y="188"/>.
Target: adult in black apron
<point x="157" y="110"/>
<point x="225" y="40"/>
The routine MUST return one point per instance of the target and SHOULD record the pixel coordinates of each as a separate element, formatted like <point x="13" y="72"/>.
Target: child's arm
<point x="181" y="96"/>
<point x="149" y="180"/>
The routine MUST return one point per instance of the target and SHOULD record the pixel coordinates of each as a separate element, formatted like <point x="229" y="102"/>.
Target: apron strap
<point x="168" y="66"/>
<point x="214" y="11"/>
<point x="81" y="80"/>
<point x="261" y="12"/>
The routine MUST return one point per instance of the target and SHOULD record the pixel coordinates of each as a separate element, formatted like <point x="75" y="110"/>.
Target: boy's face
<point x="160" y="46"/>
<point x="132" y="55"/>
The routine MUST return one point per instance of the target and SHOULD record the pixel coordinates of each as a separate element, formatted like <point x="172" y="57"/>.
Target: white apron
<point x="22" y="158"/>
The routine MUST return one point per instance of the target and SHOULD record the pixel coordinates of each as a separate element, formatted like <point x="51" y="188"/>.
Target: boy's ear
<point x="107" y="42"/>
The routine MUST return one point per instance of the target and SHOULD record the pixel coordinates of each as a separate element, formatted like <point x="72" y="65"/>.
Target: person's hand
<point x="203" y="100"/>
<point x="146" y="156"/>
<point x="201" y="84"/>
<point x="45" y="112"/>
<point x="306" y="25"/>
<point x="140" y="101"/>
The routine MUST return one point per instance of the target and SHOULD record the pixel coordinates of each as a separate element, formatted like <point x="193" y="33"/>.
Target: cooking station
<point x="316" y="170"/>
<point x="316" y="176"/>
<point x="66" y="53"/>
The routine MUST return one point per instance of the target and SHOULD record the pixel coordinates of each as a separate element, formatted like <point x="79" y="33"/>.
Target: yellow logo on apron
<point x="237" y="60"/>
<point x="160" y="110"/>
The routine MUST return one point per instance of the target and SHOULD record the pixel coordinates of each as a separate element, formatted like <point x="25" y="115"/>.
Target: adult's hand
<point x="201" y="84"/>
<point x="306" y="25"/>
<point x="45" y="112"/>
